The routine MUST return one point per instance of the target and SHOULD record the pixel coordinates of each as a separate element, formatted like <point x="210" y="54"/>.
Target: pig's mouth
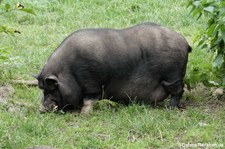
<point x="55" y="108"/>
<point x="49" y="107"/>
<point x="45" y="110"/>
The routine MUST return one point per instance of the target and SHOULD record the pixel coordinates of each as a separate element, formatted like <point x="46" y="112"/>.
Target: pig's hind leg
<point x="176" y="90"/>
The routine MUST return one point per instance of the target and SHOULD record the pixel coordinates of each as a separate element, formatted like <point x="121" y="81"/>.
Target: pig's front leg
<point x="88" y="104"/>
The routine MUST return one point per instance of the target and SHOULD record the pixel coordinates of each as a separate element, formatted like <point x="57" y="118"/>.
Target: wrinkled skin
<point x="145" y="63"/>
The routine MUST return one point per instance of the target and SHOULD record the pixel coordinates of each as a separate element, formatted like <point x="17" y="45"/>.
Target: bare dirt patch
<point x="201" y="96"/>
<point x="5" y="93"/>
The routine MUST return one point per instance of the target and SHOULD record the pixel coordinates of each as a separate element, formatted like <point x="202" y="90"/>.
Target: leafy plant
<point x="8" y="8"/>
<point x="4" y="11"/>
<point x="200" y="70"/>
<point x="212" y="36"/>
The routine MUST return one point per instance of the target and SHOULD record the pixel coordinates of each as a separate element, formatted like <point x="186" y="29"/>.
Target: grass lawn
<point x="201" y="124"/>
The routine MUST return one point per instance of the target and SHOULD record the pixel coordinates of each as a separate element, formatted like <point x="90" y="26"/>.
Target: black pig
<point x="146" y="62"/>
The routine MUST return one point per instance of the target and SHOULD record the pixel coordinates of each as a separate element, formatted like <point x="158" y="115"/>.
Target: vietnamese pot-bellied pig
<point x="144" y="63"/>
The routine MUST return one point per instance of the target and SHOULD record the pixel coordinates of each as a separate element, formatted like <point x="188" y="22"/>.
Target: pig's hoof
<point x="86" y="109"/>
<point x="173" y="107"/>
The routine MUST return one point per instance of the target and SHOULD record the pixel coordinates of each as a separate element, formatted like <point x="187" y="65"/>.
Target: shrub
<point x="212" y="36"/>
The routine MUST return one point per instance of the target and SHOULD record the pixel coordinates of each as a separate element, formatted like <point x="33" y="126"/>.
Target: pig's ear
<point x="36" y="76"/>
<point x="51" y="82"/>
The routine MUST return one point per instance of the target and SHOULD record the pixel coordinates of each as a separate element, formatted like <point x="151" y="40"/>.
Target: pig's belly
<point x="128" y="91"/>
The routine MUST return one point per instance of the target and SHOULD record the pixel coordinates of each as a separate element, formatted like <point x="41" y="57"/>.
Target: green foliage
<point x="200" y="70"/>
<point x="4" y="52"/>
<point x="8" y="8"/>
<point x="4" y="11"/>
<point x="212" y="36"/>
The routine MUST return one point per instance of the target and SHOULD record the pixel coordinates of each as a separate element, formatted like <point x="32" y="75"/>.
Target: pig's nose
<point x="43" y="110"/>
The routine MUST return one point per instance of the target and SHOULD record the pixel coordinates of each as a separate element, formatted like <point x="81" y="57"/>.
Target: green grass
<point x="135" y="126"/>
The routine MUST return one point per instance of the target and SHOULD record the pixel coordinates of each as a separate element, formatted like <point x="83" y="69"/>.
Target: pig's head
<point x="52" y="99"/>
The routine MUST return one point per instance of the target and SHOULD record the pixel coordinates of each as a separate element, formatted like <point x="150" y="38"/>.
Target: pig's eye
<point x="46" y="92"/>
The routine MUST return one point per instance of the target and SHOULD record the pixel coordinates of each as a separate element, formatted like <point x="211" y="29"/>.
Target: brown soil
<point x="5" y="93"/>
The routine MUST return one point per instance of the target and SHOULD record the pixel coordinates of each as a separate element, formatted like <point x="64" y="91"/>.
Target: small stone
<point x="218" y="92"/>
<point x="5" y="92"/>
